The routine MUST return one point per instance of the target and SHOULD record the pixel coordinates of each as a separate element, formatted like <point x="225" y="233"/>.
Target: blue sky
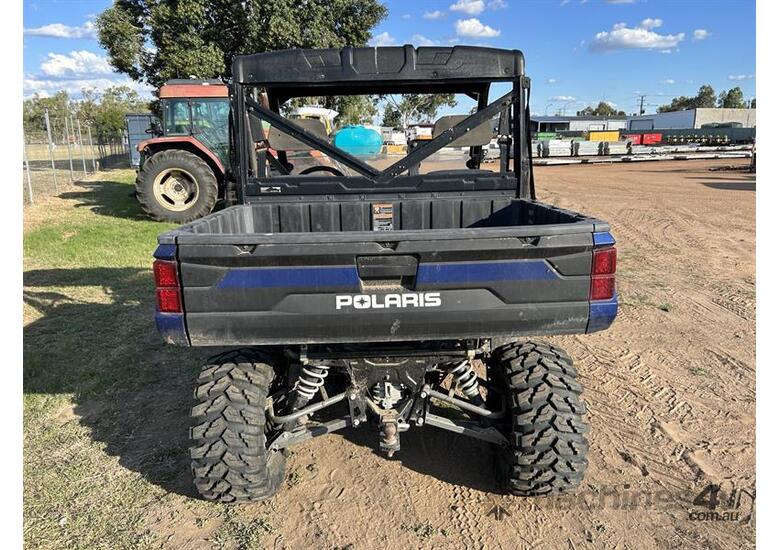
<point x="577" y="52"/>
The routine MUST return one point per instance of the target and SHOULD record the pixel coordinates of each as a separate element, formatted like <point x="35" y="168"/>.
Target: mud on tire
<point x="230" y="462"/>
<point x="176" y="159"/>
<point x="547" y="453"/>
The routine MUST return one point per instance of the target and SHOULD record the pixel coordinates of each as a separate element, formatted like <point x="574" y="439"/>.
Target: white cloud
<point x="742" y="76"/>
<point x="497" y="4"/>
<point x="668" y="81"/>
<point x="474" y="28"/>
<point x="564" y="2"/>
<point x="436" y="14"/>
<point x="622" y="37"/>
<point x="469" y="7"/>
<point x="565" y="98"/>
<point x="701" y="34"/>
<point x="651" y="23"/>
<point x="621" y="1"/>
<point x="75" y="64"/>
<point x="382" y="39"/>
<point x="421" y="40"/>
<point x="551" y="81"/>
<point x="44" y="87"/>
<point x="58" y="30"/>
<point x="406" y="16"/>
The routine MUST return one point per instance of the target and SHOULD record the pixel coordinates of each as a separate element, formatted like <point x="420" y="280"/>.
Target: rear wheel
<point x="547" y="451"/>
<point x="176" y="186"/>
<point x="230" y="462"/>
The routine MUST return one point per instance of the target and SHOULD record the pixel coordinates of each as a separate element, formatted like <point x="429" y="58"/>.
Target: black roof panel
<point x="396" y="66"/>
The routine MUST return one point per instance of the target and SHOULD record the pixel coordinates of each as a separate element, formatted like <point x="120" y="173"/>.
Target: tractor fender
<point x="148" y="147"/>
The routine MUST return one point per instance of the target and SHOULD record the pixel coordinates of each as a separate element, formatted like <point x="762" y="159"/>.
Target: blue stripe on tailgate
<point x="485" y="271"/>
<point x="265" y="277"/>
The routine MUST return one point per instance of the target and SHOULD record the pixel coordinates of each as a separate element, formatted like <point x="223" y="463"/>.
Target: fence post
<point x="81" y="146"/>
<point x="70" y="155"/>
<point x="51" y="149"/>
<point x="91" y="147"/>
<point x="27" y="170"/>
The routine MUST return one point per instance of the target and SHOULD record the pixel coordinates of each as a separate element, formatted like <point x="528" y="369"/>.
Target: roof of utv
<point x="397" y="69"/>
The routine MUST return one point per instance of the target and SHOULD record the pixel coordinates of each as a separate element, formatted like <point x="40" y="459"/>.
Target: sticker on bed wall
<point x="382" y="216"/>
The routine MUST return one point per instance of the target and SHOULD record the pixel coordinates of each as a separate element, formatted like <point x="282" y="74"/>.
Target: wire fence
<point x="64" y="151"/>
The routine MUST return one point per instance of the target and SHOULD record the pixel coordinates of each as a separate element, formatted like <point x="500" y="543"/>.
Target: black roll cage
<point x="469" y="70"/>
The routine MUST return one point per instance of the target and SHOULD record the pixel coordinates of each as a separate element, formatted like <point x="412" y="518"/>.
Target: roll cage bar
<point x="404" y="69"/>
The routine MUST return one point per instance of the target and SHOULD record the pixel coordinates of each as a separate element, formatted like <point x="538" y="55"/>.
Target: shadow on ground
<point x="731" y="185"/>
<point x="446" y="456"/>
<point x="107" y="198"/>
<point x="134" y="393"/>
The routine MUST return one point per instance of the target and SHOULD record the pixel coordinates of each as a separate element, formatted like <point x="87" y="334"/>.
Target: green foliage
<point x="733" y="99"/>
<point x="108" y="115"/>
<point x="602" y="109"/>
<point x="33" y="110"/>
<point x="358" y="109"/>
<point x="105" y="112"/>
<point x="391" y="117"/>
<point x="155" y="40"/>
<point x="704" y="99"/>
<point x="415" y="107"/>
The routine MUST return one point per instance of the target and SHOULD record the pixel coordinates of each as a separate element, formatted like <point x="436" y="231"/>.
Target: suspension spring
<point x="310" y="380"/>
<point x="466" y="379"/>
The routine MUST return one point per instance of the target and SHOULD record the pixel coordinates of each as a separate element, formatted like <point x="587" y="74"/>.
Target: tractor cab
<point x="197" y="108"/>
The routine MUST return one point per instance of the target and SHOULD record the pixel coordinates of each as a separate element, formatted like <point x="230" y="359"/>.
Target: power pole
<point x="642" y="104"/>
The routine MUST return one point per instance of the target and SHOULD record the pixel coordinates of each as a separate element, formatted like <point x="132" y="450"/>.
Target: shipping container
<point x="612" y="135"/>
<point x="635" y="139"/>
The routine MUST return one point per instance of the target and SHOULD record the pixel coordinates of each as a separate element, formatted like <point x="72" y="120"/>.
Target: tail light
<point x="602" y="279"/>
<point x="166" y="281"/>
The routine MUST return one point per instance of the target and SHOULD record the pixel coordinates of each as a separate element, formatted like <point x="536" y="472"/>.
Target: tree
<point x="105" y="112"/>
<point x="155" y="40"/>
<point x="602" y="109"/>
<point x="108" y="116"/>
<point x="359" y="109"/>
<point x="33" y="110"/>
<point x="733" y="99"/>
<point x="704" y="99"/>
<point x="416" y="107"/>
<point x="391" y="116"/>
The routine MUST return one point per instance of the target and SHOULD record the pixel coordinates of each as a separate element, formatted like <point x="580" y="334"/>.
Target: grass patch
<point x="105" y="404"/>
<point x="239" y="532"/>
<point x="424" y="530"/>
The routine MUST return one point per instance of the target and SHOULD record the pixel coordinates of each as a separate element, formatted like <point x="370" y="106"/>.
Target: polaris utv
<point x="384" y="299"/>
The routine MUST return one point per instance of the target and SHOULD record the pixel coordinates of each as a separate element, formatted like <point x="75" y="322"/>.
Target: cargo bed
<point x="294" y="272"/>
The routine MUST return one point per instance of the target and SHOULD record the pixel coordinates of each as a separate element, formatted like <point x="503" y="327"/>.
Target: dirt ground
<point x="670" y="388"/>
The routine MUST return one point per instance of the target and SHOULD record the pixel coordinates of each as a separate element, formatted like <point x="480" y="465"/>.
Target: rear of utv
<point x="384" y="299"/>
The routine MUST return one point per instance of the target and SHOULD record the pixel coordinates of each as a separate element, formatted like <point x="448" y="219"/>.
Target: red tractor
<point x="182" y="172"/>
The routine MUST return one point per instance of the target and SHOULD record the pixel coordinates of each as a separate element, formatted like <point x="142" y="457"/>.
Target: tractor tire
<point x="547" y="452"/>
<point x="230" y="461"/>
<point x="176" y="186"/>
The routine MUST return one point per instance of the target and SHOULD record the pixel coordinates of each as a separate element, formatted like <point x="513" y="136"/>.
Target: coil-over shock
<point x="310" y="380"/>
<point x="466" y="381"/>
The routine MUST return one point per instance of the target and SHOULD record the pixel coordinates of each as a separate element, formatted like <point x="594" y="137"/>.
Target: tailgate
<point x="410" y="285"/>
